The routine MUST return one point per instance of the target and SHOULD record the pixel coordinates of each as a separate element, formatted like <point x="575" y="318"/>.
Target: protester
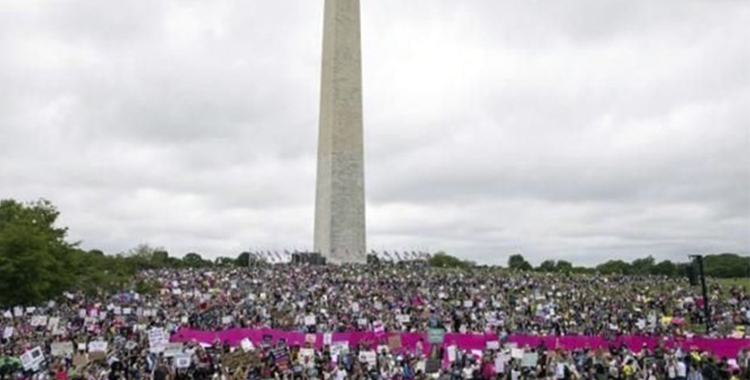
<point x="125" y="335"/>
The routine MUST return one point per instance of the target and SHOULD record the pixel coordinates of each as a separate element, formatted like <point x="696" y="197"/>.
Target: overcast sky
<point x="577" y="130"/>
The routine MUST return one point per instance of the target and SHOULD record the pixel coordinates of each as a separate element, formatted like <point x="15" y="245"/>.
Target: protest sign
<point x="308" y="357"/>
<point x="60" y="349"/>
<point x="8" y="332"/>
<point x="516" y="353"/>
<point x="39" y="320"/>
<point x="310" y="338"/>
<point x="327" y="339"/>
<point x="530" y="360"/>
<point x="172" y="350"/>
<point x="52" y="323"/>
<point x="493" y="345"/>
<point x="246" y="345"/>
<point x="157" y="338"/>
<point x="97" y="346"/>
<point x="32" y="358"/>
<point x="369" y="357"/>
<point x="452" y="353"/>
<point x="182" y="361"/>
<point x="310" y="320"/>
<point x="394" y="342"/>
<point x="403" y="318"/>
<point x="432" y="366"/>
<point x="18" y="311"/>
<point x="80" y="360"/>
<point x="435" y="335"/>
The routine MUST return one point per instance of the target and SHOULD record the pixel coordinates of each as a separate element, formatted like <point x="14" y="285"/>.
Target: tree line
<point x="724" y="265"/>
<point x="38" y="263"/>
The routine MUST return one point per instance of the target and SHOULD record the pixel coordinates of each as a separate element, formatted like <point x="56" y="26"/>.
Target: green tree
<point x="33" y="253"/>
<point x="644" y="266"/>
<point x="563" y="266"/>
<point x="517" y="262"/>
<point x="614" y="267"/>
<point x="443" y="260"/>
<point x="194" y="260"/>
<point x="547" y="266"/>
<point x="664" y="268"/>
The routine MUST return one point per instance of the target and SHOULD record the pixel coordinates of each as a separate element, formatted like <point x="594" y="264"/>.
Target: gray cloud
<point x="581" y="130"/>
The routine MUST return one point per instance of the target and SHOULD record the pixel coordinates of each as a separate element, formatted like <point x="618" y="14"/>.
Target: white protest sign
<point x="118" y="310"/>
<point x="52" y="323"/>
<point x="97" y="346"/>
<point x="61" y="349"/>
<point x="127" y="311"/>
<point x="451" y="353"/>
<point x="81" y="346"/>
<point x="493" y="345"/>
<point x="327" y="339"/>
<point x="82" y="313"/>
<point x="516" y="353"/>
<point x="310" y="320"/>
<point x="8" y="332"/>
<point x="32" y="358"/>
<point x="308" y="357"/>
<point x="172" y="350"/>
<point x="7" y="314"/>
<point x="369" y="357"/>
<point x="18" y="311"/>
<point x="247" y="345"/>
<point x="182" y="361"/>
<point x="157" y="338"/>
<point x="39" y="320"/>
<point x="403" y="318"/>
<point x="468" y="303"/>
<point x="355" y="307"/>
<point x="226" y="319"/>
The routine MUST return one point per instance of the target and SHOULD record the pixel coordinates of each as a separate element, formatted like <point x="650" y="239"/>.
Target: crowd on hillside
<point x="112" y="336"/>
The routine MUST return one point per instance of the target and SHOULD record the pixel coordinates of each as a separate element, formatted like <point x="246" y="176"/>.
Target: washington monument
<point x="340" y="190"/>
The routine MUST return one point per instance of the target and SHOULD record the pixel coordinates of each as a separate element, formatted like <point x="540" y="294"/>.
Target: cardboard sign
<point x="32" y="358"/>
<point x="97" y="356"/>
<point x="61" y="349"/>
<point x="394" y="342"/>
<point x="80" y="360"/>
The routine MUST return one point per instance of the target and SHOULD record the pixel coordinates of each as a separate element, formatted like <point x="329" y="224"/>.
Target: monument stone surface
<point x="340" y="190"/>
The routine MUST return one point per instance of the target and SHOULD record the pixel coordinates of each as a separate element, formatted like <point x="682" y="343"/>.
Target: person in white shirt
<point x="681" y="370"/>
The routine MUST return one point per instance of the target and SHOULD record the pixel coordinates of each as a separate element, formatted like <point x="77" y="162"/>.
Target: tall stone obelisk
<point x="340" y="191"/>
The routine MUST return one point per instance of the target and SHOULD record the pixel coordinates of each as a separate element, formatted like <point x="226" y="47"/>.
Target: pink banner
<point x="409" y="341"/>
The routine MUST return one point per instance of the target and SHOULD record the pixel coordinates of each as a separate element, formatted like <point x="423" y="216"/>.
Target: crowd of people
<point x="113" y="335"/>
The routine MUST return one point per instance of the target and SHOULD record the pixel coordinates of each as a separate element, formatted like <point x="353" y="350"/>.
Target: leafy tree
<point x="614" y="267"/>
<point x="194" y="260"/>
<point x="642" y="266"/>
<point x="443" y="260"/>
<point x="726" y="265"/>
<point x="664" y="268"/>
<point x="517" y="262"/>
<point x="547" y="266"/>
<point x="33" y="253"/>
<point x="563" y="266"/>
